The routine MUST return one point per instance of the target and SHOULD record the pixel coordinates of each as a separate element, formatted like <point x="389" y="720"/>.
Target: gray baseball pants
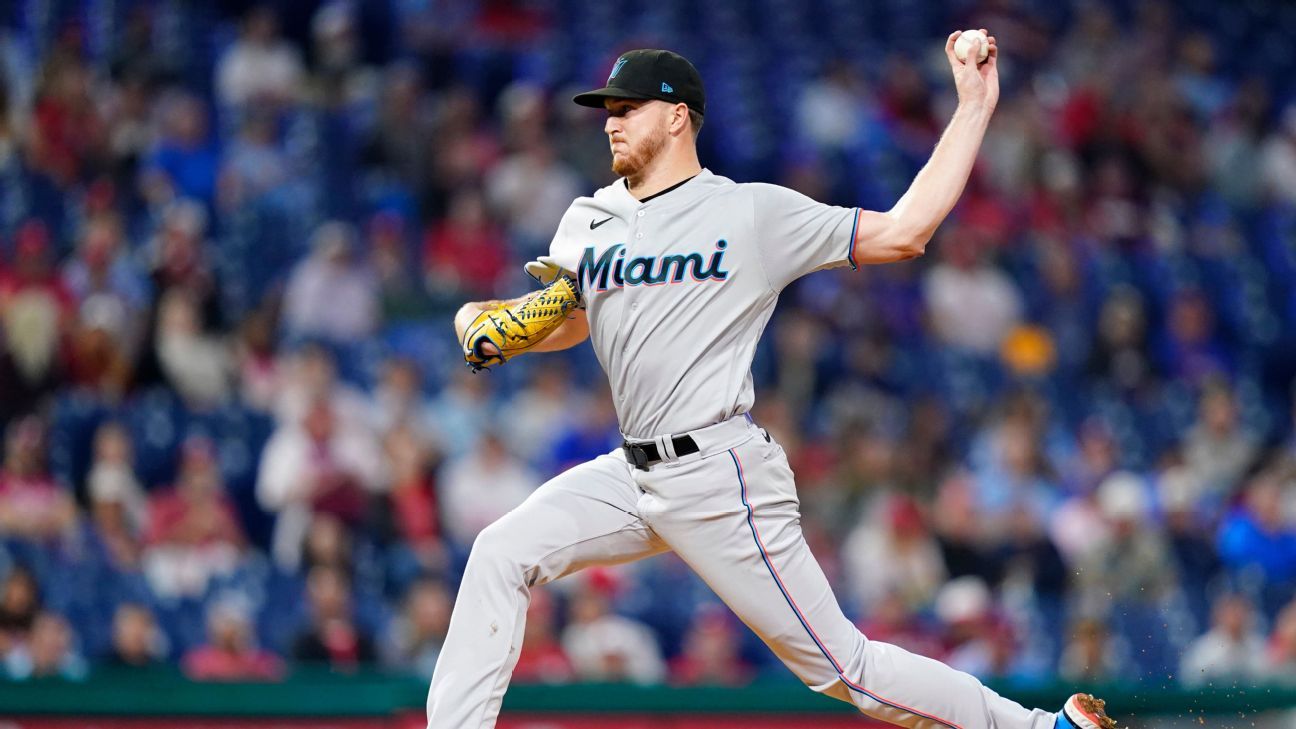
<point x="730" y="512"/>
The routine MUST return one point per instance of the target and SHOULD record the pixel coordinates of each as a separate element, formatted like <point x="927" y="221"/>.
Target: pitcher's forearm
<point x="939" y="184"/>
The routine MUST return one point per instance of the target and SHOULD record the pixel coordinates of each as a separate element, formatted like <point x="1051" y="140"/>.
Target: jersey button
<point x="638" y="235"/>
<point x="640" y="213"/>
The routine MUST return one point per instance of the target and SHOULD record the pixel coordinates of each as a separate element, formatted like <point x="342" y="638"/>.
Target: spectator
<point x="137" y="643"/>
<point x="971" y="303"/>
<point x="842" y="90"/>
<point x="965" y="609"/>
<point x="327" y="295"/>
<point x="892" y="620"/>
<point x="1235" y="146"/>
<point x="466" y="253"/>
<point x="589" y="430"/>
<point x="194" y="532"/>
<point x="1120" y="354"/>
<point x="416" y="637"/>
<point x="1218" y="449"/>
<point x="32" y="506"/>
<point x="332" y="637"/>
<point x="259" y="67"/>
<point x="481" y="486"/>
<point x="1030" y="558"/>
<point x="1092" y="655"/>
<point x="100" y="349"/>
<point x="328" y="544"/>
<point x="231" y="653"/>
<point x="185" y="162"/>
<point x="20" y="603"/>
<point x="710" y="656"/>
<point x="397" y="398"/>
<point x="542" y="658"/>
<point x="1130" y="563"/>
<point x="254" y="166"/>
<point x="1097" y="457"/>
<point x="412" y="500"/>
<point x="47" y="653"/>
<point x="179" y="260"/>
<point x="310" y="374"/>
<point x="1258" y="538"/>
<point x="129" y="128"/>
<point x="896" y="557"/>
<point x="458" y="416"/>
<point x="541" y="412"/>
<point x="1191" y="350"/>
<point x="960" y="531"/>
<point x="1016" y="476"/>
<point x="138" y="56"/>
<point x="1231" y="651"/>
<point x="1289" y="446"/>
<point x="197" y="366"/>
<point x="321" y="465"/>
<point x="862" y="486"/>
<point x="401" y="292"/>
<point x="1278" y="170"/>
<point x="604" y="646"/>
<point x="1280" y="659"/>
<point x="397" y="143"/>
<point x="336" y="56"/>
<point x="468" y="151"/>
<point x="1191" y="542"/>
<point x="67" y="139"/>
<point x="117" y="502"/>
<point x="531" y="189"/>
<point x="36" y="313"/>
<point x="103" y="267"/>
<point x="258" y="368"/>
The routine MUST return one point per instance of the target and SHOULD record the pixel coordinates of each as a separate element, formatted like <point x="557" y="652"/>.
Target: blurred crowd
<point x="239" y="438"/>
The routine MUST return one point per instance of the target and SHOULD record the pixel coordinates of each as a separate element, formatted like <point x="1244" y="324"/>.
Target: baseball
<point x="964" y="42"/>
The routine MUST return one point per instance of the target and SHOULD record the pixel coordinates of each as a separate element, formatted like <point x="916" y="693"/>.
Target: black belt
<point x="643" y="455"/>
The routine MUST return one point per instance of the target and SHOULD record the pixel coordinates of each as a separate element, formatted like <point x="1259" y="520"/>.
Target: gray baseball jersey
<point x="678" y="288"/>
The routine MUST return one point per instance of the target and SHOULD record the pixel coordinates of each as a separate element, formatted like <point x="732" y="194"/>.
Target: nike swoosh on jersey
<point x="594" y="225"/>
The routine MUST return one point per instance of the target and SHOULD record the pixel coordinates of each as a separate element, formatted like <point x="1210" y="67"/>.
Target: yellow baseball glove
<point x="517" y="328"/>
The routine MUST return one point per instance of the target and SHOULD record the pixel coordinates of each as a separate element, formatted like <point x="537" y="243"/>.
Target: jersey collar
<point x="626" y="187"/>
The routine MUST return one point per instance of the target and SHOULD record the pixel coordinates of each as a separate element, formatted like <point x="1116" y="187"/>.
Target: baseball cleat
<point x="1083" y="711"/>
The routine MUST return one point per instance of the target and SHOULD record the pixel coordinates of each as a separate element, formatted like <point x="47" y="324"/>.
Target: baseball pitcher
<point x="672" y="273"/>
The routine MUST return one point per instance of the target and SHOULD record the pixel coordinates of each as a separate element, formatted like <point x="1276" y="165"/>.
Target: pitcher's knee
<point x="499" y="550"/>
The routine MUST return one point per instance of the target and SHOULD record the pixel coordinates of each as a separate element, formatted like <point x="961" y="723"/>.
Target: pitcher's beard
<point x="633" y="164"/>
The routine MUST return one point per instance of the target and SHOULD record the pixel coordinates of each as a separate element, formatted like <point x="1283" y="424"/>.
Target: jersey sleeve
<point x="565" y="249"/>
<point x="797" y="235"/>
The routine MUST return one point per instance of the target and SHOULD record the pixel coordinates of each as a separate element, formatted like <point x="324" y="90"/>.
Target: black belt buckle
<point x="637" y="455"/>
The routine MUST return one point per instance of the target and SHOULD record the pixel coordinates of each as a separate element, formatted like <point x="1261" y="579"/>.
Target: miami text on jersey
<point x="648" y="270"/>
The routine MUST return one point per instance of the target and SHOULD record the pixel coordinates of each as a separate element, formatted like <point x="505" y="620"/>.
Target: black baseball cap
<point x="650" y="74"/>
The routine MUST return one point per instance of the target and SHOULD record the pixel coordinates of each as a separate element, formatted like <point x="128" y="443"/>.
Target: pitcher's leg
<point x="757" y="561"/>
<point x="583" y="517"/>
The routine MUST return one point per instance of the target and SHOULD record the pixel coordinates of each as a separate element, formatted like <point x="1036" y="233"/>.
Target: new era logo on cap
<point x="666" y="88"/>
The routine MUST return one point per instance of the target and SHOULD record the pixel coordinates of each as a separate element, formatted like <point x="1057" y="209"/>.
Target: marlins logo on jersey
<point x="648" y="270"/>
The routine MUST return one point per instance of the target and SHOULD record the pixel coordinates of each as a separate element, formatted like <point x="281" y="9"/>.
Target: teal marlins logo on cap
<point x="617" y="68"/>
